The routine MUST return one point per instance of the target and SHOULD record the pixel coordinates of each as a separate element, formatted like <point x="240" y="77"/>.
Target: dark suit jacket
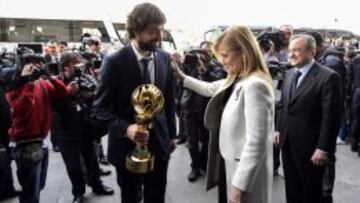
<point x="311" y="119"/>
<point x="119" y="76"/>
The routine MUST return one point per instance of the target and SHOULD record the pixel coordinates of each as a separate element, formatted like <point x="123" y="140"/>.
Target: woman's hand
<point x="175" y="66"/>
<point x="236" y="195"/>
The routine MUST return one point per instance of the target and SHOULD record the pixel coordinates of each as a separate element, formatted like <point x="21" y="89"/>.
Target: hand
<point x="277" y="140"/>
<point x="176" y="57"/>
<point x="201" y="67"/>
<point x="137" y="134"/>
<point x="319" y="158"/>
<point x="236" y="195"/>
<point x="28" y="69"/>
<point x="172" y="145"/>
<point x="177" y="72"/>
<point x="73" y="88"/>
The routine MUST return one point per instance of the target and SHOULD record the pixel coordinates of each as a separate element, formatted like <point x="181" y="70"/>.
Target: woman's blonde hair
<point x="242" y="40"/>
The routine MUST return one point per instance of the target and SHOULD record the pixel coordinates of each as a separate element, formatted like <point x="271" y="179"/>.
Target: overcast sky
<point x="198" y="15"/>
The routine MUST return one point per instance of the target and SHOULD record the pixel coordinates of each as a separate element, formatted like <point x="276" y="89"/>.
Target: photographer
<point x="287" y="31"/>
<point x="95" y="48"/>
<point x="30" y="99"/>
<point x="75" y="139"/>
<point x="94" y="63"/>
<point x="274" y="45"/>
<point x="198" y="64"/>
<point x="92" y="67"/>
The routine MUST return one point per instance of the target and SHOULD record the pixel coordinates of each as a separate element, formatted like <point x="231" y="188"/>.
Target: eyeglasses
<point x="96" y="43"/>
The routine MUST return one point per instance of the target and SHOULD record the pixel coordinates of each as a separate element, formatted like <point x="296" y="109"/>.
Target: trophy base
<point x="139" y="166"/>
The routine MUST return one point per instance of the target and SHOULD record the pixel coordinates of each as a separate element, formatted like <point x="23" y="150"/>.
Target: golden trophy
<point x="147" y="100"/>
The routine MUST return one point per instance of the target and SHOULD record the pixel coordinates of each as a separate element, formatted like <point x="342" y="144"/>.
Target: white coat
<point x="240" y="130"/>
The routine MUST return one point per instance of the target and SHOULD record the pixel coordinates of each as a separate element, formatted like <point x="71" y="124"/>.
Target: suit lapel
<point x="287" y="85"/>
<point x="157" y="70"/>
<point x="306" y="82"/>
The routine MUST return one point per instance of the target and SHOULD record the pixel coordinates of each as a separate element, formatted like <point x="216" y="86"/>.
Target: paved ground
<point x="179" y="190"/>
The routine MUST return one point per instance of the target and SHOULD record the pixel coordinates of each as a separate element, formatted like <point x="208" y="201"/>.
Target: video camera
<point x="91" y="59"/>
<point x="275" y="36"/>
<point x="277" y="69"/>
<point x="25" y="56"/>
<point x="192" y="57"/>
<point x="85" y="83"/>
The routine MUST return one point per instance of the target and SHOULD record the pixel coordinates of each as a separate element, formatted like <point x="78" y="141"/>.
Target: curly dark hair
<point x="143" y="15"/>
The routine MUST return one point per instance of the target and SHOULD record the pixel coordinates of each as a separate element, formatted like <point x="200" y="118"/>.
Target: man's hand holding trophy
<point x="147" y="100"/>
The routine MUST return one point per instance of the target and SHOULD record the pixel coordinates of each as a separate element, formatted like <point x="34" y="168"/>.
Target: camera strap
<point x="45" y="97"/>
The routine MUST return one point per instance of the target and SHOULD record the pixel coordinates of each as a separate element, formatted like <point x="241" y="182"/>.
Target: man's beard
<point x="147" y="46"/>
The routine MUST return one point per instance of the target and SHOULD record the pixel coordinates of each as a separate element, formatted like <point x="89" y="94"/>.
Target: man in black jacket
<point x="140" y="62"/>
<point x="193" y="107"/>
<point x="75" y="139"/>
<point x="308" y="121"/>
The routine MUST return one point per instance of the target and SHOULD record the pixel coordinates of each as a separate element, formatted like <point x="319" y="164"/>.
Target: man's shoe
<point x="10" y="194"/>
<point x="194" y="175"/>
<point x="103" y="190"/>
<point x="181" y="141"/>
<point x="104" y="172"/>
<point x="78" y="199"/>
<point x="104" y="161"/>
<point x="354" y="147"/>
<point x="339" y="141"/>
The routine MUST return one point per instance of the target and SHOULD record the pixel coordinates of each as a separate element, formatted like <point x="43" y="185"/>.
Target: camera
<point x="85" y="38"/>
<point x="91" y="59"/>
<point x="192" y="57"/>
<point x="277" y="69"/>
<point x="85" y="83"/>
<point x="25" y="56"/>
<point x="275" y="36"/>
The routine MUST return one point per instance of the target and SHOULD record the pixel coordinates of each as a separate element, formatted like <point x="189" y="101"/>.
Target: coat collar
<point x="133" y="60"/>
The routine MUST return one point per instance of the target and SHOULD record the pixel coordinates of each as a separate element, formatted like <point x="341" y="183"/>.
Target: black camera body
<point x="277" y="69"/>
<point x="192" y="57"/>
<point x="275" y="36"/>
<point x="25" y="56"/>
<point x="91" y="59"/>
<point x="84" y="82"/>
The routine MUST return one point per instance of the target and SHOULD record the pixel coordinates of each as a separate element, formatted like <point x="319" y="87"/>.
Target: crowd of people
<point x="240" y="102"/>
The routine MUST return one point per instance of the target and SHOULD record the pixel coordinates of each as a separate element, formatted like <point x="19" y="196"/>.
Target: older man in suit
<point x="308" y="121"/>
<point x="140" y="62"/>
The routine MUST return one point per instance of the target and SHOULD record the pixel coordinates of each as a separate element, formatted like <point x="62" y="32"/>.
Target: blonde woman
<point x="240" y="118"/>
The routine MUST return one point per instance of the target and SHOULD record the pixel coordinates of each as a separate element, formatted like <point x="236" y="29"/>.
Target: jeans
<point x="6" y="177"/>
<point x="31" y="175"/>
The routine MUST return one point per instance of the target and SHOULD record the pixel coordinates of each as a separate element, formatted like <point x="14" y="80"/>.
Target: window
<point x="36" y="30"/>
